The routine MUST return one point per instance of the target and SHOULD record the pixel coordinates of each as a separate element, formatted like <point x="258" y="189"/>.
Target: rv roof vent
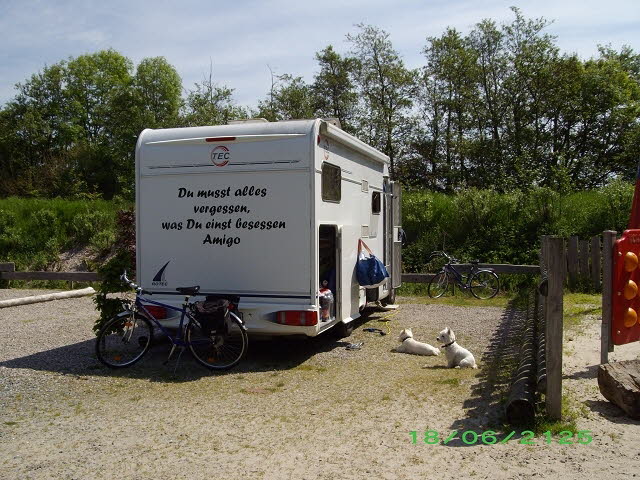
<point x="248" y="120"/>
<point x="365" y="186"/>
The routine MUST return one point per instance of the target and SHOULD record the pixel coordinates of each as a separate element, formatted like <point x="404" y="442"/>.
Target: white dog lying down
<point x="409" y="345"/>
<point x="457" y="356"/>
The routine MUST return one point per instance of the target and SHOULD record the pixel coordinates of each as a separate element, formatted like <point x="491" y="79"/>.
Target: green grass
<point x="310" y="368"/>
<point x="572" y="410"/>
<point x="576" y="306"/>
<point x="33" y="231"/>
<point x="449" y="381"/>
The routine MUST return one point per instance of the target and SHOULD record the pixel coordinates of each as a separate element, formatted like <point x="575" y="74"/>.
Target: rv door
<point x="396" y="218"/>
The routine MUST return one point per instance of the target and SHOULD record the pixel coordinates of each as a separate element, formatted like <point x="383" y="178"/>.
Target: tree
<point x="289" y="98"/>
<point x="449" y="88"/>
<point x="333" y="89"/>
<point x="387" y="88"/>
<point x="158" y="90"/>
<point x="210" y="104"/>
<point x="93" y="84"/>
<point x="73" y="126"/>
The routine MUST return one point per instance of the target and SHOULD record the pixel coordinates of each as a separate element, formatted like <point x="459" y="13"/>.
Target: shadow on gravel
<point x="263" y="355"/>
<point x="590" y="371"/>
<point x="496" y="368"/>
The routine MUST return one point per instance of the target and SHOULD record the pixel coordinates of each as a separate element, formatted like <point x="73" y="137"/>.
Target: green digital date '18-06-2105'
<point x="489" y="437"/>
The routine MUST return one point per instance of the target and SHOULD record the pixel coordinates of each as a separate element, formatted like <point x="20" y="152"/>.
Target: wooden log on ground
<point x="47" y="297"/>
<point x="619" y="382"/>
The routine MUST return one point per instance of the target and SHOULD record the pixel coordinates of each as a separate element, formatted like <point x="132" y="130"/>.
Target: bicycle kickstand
<point x="173" y="348"/>
<point x="178" y="360"/>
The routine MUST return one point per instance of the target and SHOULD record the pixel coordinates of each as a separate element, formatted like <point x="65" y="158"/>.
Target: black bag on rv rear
<point x="212" y="314"/>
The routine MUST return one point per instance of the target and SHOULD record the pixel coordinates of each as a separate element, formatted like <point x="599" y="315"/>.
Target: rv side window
<point x="375" y="203"/>
<point x="331" y="183"/>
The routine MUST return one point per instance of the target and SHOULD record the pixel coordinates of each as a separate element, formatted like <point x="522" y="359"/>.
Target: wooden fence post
<point x="596" y="256"/>
<point x="606" y="345"/>
<point x="572" y="261"/>
<point x="583" y="260"/>
<point x="554" y="328"/>
<point x="565" y="256"/>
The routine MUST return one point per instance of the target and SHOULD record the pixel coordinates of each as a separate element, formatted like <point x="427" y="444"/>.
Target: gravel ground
<point x="292" y="409"/>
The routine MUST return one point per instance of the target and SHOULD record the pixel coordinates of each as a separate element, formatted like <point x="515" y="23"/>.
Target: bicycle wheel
<point x="123" y="340"/>
<point x="218" y="350"/>
<point x="438" y="285"/>
<point x="484" y="284"/>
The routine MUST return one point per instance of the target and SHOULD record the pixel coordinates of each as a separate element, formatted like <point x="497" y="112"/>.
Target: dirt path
<point x="294" y="409"/>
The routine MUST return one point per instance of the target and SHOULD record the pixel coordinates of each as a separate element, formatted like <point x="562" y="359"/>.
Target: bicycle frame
<point x="457" y="276"/>
<point x="176" y="340"/>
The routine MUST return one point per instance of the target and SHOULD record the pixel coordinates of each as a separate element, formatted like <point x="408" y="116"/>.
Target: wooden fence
<point x="552" y="266"/>
<point x="8" y="272"/>
<point x="581" y="262"/>
<point x="499" y="268"/>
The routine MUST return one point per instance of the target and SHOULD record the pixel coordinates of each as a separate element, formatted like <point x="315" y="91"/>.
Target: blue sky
<point x="243" y="38"/>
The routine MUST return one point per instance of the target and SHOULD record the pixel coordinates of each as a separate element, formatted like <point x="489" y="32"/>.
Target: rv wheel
<point x="343" y="330"/>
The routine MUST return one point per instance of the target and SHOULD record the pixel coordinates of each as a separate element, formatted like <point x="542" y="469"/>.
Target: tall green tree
<point x="501" y="108"/>
<point x="449" y="88"/>
<point x="387" y="88"/>
<point x="210" y="104"/>
<point x="289" y="98"/>
<point x="333" y="88"/>
<point x="158" y="93"/>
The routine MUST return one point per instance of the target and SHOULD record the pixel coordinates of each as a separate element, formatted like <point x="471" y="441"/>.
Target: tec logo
<point x="625" y="327"/>
<point x="220" y="156"/>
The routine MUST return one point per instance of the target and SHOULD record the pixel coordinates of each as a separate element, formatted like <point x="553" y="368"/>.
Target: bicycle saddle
<point x="475" y="262"/>
<point x="188" y="290"/>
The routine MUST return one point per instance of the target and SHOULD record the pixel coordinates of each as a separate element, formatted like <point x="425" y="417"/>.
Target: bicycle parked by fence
<point x="483" y="283"/>
<point x="213" y="332"/>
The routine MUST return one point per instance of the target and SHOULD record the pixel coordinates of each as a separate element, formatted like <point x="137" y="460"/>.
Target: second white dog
<point x="457" y="356"/>
<point x="409" y="345"/>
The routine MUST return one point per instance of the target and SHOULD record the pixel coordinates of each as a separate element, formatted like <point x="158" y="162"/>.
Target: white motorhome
<point x="266" y="211"/>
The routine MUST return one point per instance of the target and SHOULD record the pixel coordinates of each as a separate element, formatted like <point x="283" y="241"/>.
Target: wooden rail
<point x="7" y="272"/>
<point x="500" y="268"/>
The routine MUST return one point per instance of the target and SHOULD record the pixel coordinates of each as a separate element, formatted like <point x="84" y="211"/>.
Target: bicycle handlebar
<point x="132" y="285"/>
<point x="449" y="258"/>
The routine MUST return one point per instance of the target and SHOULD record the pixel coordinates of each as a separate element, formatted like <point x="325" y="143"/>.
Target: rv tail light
<point x="301" y="318"/>
<point x="158" y="312"/>
<point x="219" y="139"/>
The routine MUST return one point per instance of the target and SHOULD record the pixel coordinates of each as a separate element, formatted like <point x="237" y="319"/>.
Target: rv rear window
<point x="375" y="203"/>
<point x="331" y="183"/>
